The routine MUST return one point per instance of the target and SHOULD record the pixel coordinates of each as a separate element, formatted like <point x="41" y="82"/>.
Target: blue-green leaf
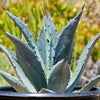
<point x="82" y="63"/>
<point x="12" y="58"/>
<point x="45" y="42"/>
<point x="66" y="38"/>
<point x="29" y="63"/>
<point x="15" y="83"/>
<point x="26" y="32"/>
<point x="52" y="38"/>
<point x="42" y="47"/>
<point x="59" y="76"/>
<point x="54" y="34"/>
<point x="90" y="84"/>
<point x="51" y="54"/>
<point x="24" y="29"/>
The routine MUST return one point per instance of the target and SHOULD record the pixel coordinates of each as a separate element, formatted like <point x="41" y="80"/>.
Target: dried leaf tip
<point x="83" y="6"/>
<point x="46" y="7"/>
<point x="66" y="57"/>
<point x="4" y="31"/>
<point x="2" y="7"/>
<point x="47" y="10"/>
<point x="43" y="12"/>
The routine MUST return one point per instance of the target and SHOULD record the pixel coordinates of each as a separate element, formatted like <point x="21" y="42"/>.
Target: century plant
<point x="45" y="66"/>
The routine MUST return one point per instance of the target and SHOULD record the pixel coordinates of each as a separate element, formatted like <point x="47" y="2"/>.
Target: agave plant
<point x="45" y="66"/>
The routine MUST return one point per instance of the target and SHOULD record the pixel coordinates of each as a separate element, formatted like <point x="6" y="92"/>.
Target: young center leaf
<point x="42" y="47"/>
<point x="53" y="31"/>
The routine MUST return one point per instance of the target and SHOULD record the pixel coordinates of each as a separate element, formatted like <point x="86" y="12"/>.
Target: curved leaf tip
<point x="47" y="10"/>
<point x="83" y="6"/>
<point x="43" y="12"/>
<point x="66" y="58"/>
<point x="3" y="7"/>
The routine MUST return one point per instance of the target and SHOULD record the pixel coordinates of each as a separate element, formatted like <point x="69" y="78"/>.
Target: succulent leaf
<point x="48" y="47"/>
<point x="29" y="63"/>
<point x="51" y="54"/>
<point x="59" y="76"/>
<point x="71" y="53"/>
<point x="54" y="34"/>
<point x="82" y="63"/>
<point x="12" y="58"/>
<point x="26" y="32"/>
<point x="66" y="38"/>
<point x="42" y="47"/>
<point x="90" y="84"/>
<point x="46" y="42"/>
<point x="45" y="20"/>
<point x="52" y="39"/>
<point x="15" y="83"/>
<point x="43" y="44"/>
<point x="53" y="31"/>
<point x="24" y="29"/>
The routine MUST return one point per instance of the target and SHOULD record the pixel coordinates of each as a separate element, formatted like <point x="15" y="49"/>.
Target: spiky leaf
<point x="82" y="63"/>
<point x="51" y="54"/>
<point x="66" y="39"/>
<point x="45" y="44"/>
<point x="29" y="63"/>
<point x="12" y="58"/>
<point x="26" y="32"/>
<point x="52" y="38"/>
<point x="54" y="34"/>
<point x="59" y="76"/>
<point x="42" y="46"/>
<point x="89" y="85"/>
<point x="24" y="29"/>
<point x="15" y="83"/>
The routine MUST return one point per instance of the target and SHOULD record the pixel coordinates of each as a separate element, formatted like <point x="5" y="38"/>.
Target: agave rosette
<point x="46" y="64"/>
